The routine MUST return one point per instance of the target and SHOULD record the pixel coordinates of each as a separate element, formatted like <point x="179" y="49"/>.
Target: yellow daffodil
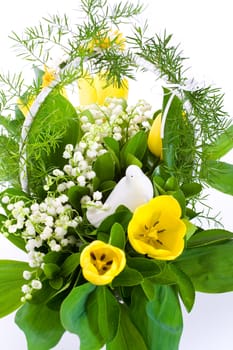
<point x="154" y="138"/>
<point x="48" y="77"/>
<point x="101" y="262"/>
<point x="157" y="230"/>
<point x="96" y="90"/>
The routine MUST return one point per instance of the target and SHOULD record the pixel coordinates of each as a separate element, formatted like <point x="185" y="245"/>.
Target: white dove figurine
<point x="133" y="190"/>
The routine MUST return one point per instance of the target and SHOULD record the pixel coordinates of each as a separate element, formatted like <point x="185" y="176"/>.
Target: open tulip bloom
<point x="101" y="194"/>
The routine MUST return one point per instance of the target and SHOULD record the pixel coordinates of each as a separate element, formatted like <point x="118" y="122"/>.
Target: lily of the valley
<point x="157" y="230"/>
<point x="101" y="262"/>
<point x="133" y="190"/>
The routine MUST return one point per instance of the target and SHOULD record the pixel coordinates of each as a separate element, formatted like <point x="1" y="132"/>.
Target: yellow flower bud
<point x="96" y="90"/>
<point x="101" y="262"/>
<point x="154" y="139"/>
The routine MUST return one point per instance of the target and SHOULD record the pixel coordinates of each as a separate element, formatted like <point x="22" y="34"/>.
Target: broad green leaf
<point x="11" y="281"/>
<point x="130" y="159"/>
<point x="9" y="165"/>
<point x="70" y="264"/>
<point x="218" y="175"/>
<point x="75" y="193"/>
<point x="104" y="167"/>
<point x="159" y="320"/>
<point x="122" y="216"/>
<point x="113" y="145"/>
<point x="190" y="228"/>
<point x="221" y="146"/>
<point x="117" y="236"/>
<point x="51" y="270"/>
<point x="202" y="238"/>
<point x="74" y="317"/>
<point x="136" y="146"/>
<point x="43" y="295"/>
<point x="55" y="125"/>
<point x="209" y="267"/>
<point x="128" y="277"/>
<point x="56" y="283"/>
<point x="41" y="325"/>
<point x="185" y="287"/>
<point x="172" y="111"/>
<point x="173" y="275"/>
<point x="146" y="267"/>
<point x="128" y="336"/>
<point x="191" y="189"/>
<point x="178" y="141"/>
<point x="107" y="186"/>
<point x="171" y="184"/>
<point x="108" y="313"/>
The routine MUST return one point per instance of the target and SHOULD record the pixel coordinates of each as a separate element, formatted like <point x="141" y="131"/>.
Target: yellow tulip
<point x="101" y="262"/>
<point x="154" y="139"/>
<point x="96" y="90"/>
<point x="157" y="230"/>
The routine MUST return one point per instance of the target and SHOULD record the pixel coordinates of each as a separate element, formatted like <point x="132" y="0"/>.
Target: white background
<point x="204" y="30"/>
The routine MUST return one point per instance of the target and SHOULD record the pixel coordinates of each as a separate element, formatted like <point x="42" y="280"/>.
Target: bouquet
<point x="105" y="197"/>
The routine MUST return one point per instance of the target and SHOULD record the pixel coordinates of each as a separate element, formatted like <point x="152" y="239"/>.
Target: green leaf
<point x="190" y="228"/>
<point x="56" y="283"/>
<point x="122" y="216"/>
<point x="128" y="335"/>
<point x="104" y="167"/>
<point x="209" y="267"/>
<point x="75" y="193"/>
<point x="70" y="264"/>
<point x="107" y="186"/>
<point x="159" y="320"/>
<point x="11" y="281"/>
<point x="191" y="189"/>
<point x="108" y="313"/>
<point x="55" y="125"/>
<point x="221" y="146"/>
<point x="74" y="317"/>
<point x="130" y="159"/>
<point x="178" y="141"/>
<point x="218" y="175"/>
<point x="185" y="287"/>
<point x="113" y="145"/>
<point x="136" y="147"/>
<point x="43" y="295"/>
<point x="202" y="238"/>
<point x="173" y="105"/>
<point x="9" y="166"/>
<point x="146" y="267"/>
<point x="128" y="277"/>
<point x="172" y="274"/>
<point x="51" y="270"/>
<point x="41" y="325"/>
<point x="117" y="236"/>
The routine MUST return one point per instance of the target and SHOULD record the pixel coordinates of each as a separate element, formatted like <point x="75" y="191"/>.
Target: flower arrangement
<point x="103" y="196"/>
